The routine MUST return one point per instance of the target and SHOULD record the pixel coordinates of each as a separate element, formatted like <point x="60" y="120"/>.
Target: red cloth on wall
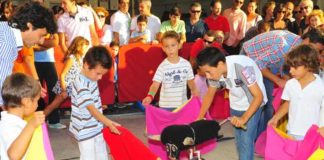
<point x="137" y="65"/>
<point x="126" y="146"/>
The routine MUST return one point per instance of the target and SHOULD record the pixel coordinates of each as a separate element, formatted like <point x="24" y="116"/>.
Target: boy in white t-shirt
<point x="242" y="77"/>
<point x="20" y="94"/>
<point x="303" y="95"/>
<point x="175" y="73"/>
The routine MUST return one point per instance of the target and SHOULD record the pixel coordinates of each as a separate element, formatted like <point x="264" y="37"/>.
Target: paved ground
<point x="65" y="147"/>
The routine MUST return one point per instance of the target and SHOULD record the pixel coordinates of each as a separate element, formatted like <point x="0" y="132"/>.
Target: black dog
<point x="181" y="137"/>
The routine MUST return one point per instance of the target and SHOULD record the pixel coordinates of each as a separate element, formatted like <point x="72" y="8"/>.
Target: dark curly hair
<point x="34" y="13"/>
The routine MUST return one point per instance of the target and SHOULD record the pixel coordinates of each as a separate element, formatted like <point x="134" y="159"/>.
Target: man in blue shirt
<point x="27" y="26"/>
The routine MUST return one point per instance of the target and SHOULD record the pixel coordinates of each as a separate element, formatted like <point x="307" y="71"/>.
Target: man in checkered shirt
<point x="268" y="51"/>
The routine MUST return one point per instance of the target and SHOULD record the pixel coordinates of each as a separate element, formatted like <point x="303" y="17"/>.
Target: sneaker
<point x="57" y="126"/>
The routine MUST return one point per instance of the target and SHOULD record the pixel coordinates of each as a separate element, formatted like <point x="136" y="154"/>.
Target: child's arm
<point x="282" y="111"/>
<point x="100" y="117"/>
<point x="67" y="67"/>
<point x="141" y="38"/>
<point x="193" y="88"/>
<point x="150" y="96"/>
<point x="19" y="146"/>
<point x="207" y="100"/>
<point x="254" y="105"/>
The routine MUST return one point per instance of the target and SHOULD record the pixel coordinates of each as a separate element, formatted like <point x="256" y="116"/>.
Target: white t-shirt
<point x="304" y="105"/>
<point x="251" y="74"/>
<point x="120" y="23"/>
<point x="174" y="79"/>
<point x="153" y="25"/>
<point x="77" y="26"/>
<point x="10" y="128"/>
<point x="108" y="35"/>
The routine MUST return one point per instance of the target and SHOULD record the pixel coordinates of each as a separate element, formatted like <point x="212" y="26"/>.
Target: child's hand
<point x="38" y="119"/>
<point x="321" y="131"/>
<point x="113" y="128"/>
<point x="273" y="122"/>
<point x="147" y="100"/>
<point x="238" y="122"/>
<point x="104" y="107"/>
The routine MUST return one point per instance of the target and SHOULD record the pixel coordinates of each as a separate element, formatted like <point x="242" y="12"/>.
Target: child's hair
<point x="171" y="34"/>
<point x="113" y="43"/>
<point x="76" y="46"/>
<point x="210" y="56"/>
<point x="175" y="11"/>
<point x="141" y="18"/>
<point x="263" y="26"/>
<point x="18" y="86"/>
<point x="304" y="55"/>
<point x="98" y="55"/>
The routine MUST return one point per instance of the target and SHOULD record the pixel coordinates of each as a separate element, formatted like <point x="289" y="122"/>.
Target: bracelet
<point x="151" y="93"/>
<point x="150" y="96"/>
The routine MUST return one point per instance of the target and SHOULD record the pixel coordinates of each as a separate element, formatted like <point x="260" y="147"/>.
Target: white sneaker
<point x="57" y="126"/>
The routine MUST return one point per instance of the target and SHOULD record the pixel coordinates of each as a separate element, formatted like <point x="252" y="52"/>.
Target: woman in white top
<point x="104" y="31"/>
<point x="252" y="17"/>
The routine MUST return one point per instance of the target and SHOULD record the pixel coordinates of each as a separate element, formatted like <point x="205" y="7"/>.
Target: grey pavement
<point x="66" y="148"/>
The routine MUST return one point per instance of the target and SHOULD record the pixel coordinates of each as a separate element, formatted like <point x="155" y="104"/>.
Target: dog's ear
<point x="188" y="141"/>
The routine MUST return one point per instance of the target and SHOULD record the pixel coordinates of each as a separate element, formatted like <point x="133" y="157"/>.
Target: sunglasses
<point x="302" y="8"/>
<point x="240" y="2"/>
<point x="101" y="16"/>
<point x="208" y="42"/>
<point x="195" y="11"/>
<point x="284" y="12"/>
<point x="295" y="12"/>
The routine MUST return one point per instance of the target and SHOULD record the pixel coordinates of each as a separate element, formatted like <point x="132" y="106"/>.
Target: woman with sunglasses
<point x="306" y="7"/>
<point x="279" y="23"/>
<point x="252" y="17"/>
<point x="104" y="32"/>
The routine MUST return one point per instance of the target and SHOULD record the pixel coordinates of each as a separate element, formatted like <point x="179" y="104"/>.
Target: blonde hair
<point x="103" y="10"/>
<point x="76" y="46"/>
<point x="316" y="12"/>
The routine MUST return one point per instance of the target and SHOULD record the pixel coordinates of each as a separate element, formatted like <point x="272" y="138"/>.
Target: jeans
<point x="245" y="139"/>
<point x="267" y="110"/>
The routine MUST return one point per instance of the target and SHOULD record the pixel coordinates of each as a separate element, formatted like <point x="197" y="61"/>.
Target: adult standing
<point x="237" y="20"/>
<point x="28" y="26"/>
<point x="76" y="21"/>
<point x="195" y="27"/>
<point x="252" y="17"/>
<point x="153" y="22"/>
<point x="120" y="23"/>
<point x="216" y="21"/>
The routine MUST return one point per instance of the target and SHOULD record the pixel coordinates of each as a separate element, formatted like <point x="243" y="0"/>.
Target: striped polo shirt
<point x="10" y="43"/>
<point x="84" y="93"/>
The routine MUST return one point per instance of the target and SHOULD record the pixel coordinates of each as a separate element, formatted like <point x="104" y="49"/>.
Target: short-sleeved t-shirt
<point x="10" y="128"/>
<point x="166" y="26"/>
<point x="174" y="79"/>
<point x="251" y="74"/>
<point x="79" y="25"/>
<point x="304" y="104"/>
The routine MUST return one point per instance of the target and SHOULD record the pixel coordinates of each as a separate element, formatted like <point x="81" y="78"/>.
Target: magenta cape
<point x="157" y="119"/>
<point x="280" y="147"/>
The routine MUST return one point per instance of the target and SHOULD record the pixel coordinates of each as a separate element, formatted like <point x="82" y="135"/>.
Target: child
<point x="143" y="34"/>
<point x="20" y="94"/>
<point x="242" y="77"/>
<point x="72" y="67"/>
<point x="174" y="73"/>
<point x="303" y="95"/>
<point x="114" y="46"/>
<point x="87" y="120"/>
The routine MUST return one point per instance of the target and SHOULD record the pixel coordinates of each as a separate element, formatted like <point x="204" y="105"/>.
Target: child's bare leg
<point x="55" y="103"/>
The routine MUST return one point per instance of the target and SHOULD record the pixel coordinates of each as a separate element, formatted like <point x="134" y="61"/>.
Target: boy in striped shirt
<point x="87" y="119"/>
